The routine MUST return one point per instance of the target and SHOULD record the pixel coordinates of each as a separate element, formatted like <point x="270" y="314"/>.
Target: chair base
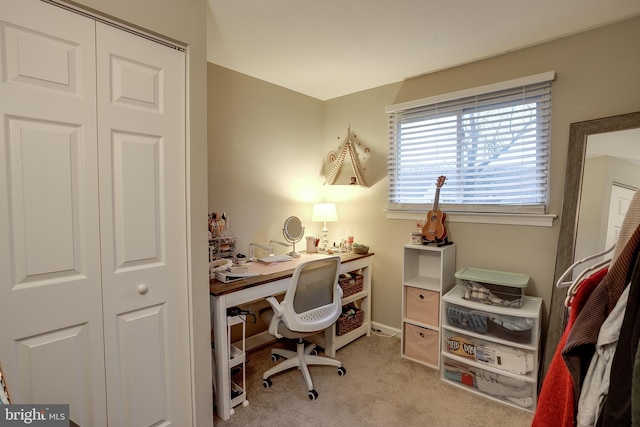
<point x="300" y="359"/>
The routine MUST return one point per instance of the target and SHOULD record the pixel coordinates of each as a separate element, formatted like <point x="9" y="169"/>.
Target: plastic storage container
<point x="505" y="388"/>
<point x="503" y="326"/>
<point x="492" y="287"/>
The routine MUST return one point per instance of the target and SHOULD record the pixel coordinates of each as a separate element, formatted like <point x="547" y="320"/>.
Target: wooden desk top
<point x="272" y="272"/>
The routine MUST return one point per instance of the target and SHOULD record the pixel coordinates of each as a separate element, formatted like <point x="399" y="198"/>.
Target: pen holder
<point x="311" y="244"/>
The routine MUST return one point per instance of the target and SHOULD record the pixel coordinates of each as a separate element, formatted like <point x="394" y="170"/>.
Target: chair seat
<point x="266" y="314"/>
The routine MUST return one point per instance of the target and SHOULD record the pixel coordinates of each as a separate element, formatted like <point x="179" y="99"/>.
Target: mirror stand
<point x="293" y="252"/>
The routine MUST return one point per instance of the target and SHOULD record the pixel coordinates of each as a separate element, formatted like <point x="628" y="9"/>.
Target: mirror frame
<point x="292" y="239"/>
<point x="578" y="134"/>
<point x="286" y="231"/>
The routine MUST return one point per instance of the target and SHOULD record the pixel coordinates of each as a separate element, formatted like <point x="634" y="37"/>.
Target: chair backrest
<point x="313" y="300"/>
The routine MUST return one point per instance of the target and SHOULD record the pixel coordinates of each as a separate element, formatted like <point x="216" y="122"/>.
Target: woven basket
<point x="350" y="283"/>
<point x="347" y="323"/>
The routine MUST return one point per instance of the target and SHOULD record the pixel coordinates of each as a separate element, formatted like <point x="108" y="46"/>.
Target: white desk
<point x="274" y="279"/>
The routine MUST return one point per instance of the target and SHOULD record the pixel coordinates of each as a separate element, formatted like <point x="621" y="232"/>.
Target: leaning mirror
<point x="572" y="221"/>
<point x="293" y="232"/>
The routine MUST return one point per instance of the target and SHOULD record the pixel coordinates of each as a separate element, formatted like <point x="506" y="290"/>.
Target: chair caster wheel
<point x="313" y="352"/>
<point x="267" y="383"/>
<point x="312" y="394"/>
<point x="274" y="357"/>
<point x="342" y="371"/>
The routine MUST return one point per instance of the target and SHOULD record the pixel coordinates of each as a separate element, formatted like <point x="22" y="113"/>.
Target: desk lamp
<point x="324" y="212"/>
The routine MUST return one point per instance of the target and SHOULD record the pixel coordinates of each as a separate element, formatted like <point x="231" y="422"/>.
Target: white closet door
<point x="51" y="343"/>
<point x="141" y="140"/>
<point x="618" y="205"/>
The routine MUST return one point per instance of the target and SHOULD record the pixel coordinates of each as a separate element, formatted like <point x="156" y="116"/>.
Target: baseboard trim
<point x="384" y="329"/>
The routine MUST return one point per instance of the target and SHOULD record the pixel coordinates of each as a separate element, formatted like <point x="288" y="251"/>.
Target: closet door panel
<point x="68" y="382"/>
<point x="141" y="353"/>
<point x="50" y="281"/>
<point x="141" y="142"/>
<point x="43" y="174"/>
<point x="136" y="200"/>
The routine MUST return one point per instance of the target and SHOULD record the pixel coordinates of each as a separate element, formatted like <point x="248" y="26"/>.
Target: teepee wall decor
<point x="350" y="151"/>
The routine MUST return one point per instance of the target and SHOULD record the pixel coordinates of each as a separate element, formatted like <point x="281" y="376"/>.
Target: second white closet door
<point x="141" y="152"/>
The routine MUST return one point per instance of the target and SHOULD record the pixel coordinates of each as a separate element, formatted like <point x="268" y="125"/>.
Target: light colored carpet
<point x="379" y="389"/>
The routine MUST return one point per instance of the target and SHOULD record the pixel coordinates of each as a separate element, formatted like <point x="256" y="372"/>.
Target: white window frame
<point x="458" y="213"/>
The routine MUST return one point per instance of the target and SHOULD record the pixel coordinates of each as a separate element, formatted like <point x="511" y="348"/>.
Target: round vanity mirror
<point x="293" y="231"/>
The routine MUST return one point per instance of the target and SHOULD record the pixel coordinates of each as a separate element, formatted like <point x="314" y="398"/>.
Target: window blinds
<point x="493" y="147"/>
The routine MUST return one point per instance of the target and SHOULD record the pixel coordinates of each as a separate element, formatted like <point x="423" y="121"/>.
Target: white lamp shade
<point x="324" y="212"/>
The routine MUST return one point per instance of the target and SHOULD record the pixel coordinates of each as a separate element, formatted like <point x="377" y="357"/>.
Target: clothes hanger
<point x="563" y="284"/>
<point x="571" y="292"/>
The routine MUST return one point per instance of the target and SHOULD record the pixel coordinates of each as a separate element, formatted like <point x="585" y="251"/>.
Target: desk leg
<point x="221" y="353"/>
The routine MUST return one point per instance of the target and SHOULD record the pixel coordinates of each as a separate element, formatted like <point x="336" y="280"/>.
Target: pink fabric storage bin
<point x="422" y="305"/>
<point x="421" y="344"/>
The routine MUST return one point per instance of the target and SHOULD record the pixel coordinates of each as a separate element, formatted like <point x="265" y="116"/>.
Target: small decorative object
<point x="415" y="237"/>
<point x="360" y="249"/>
<point x="240" y="259"/>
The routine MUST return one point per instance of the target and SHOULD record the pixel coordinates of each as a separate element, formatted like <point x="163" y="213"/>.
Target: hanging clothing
<point x="617" y="409"/>
<point x="635" y="391"/>
<point x="556" y="403"/>
<point x="596" y="382"/>
<point x="582" y="339"/>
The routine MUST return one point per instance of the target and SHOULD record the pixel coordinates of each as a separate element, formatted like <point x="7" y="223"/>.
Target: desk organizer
<point x="350" y="319"/>
<point x="351" y="283"/>
<point x="492" y="287"/>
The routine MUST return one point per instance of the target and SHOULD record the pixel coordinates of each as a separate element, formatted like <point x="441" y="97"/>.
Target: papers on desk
<point x="228" y="276"/>
<point x="275" y="258"/>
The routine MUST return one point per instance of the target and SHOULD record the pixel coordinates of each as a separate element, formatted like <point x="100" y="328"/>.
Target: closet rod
<point x="113" y="23"/>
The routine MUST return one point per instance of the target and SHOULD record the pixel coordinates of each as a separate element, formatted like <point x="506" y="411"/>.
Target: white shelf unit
<point x="428" y="272"/>
<point x="509" y="376"/>
<point x="330" y="341"/>
<point x="237" y="359"/>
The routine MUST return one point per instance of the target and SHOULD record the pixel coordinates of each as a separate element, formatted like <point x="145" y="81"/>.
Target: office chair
<point x="311" y="304"/>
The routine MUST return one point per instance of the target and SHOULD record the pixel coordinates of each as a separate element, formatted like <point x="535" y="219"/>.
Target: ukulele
<point x="433" y="229"/>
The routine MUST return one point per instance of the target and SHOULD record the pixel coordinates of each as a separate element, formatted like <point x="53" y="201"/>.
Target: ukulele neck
<point x="435" y="200"/>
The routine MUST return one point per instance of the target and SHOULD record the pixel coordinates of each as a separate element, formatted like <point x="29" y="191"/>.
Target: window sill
<point x="535" y="220"/>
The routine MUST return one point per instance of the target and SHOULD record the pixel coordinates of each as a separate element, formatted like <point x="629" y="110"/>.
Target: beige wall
<point x="185" y="22"/>
<point x="599" y="175"/>
<point x="596" y="77"/>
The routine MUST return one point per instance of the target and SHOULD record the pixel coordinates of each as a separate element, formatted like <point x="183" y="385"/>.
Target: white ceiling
<point x="330" y="48"/>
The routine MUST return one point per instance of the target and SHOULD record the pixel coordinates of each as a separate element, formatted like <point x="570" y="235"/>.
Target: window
<point x="491" y="143"/>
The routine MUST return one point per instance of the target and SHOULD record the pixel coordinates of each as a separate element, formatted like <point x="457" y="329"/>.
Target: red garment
<point x="556" y="403"/>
